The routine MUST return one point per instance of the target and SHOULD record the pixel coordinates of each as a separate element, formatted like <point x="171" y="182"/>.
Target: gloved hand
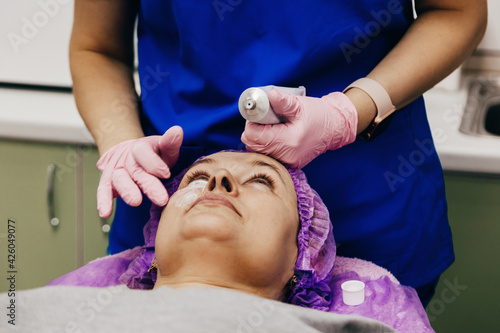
<point x="314" y="126"/>
<point x="135" y="164"/>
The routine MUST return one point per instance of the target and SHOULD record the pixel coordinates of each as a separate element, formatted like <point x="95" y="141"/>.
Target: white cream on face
<point x="188" y="195"/>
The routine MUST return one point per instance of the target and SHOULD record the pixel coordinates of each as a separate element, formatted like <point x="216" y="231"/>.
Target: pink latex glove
<point x="314" y="125"/>
<point x="135" y="165"/>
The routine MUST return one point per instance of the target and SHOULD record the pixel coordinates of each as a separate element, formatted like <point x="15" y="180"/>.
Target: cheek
<point x="166" y="236"/>
<point x="178" y="204"/>
<point x="274" y="225"/>
<point x="167" y="224"/>
<point x="272" y="249"/>
<point x="287" y="223"/>
<point x="184" y="198"/>
<point x="273" y="210"/>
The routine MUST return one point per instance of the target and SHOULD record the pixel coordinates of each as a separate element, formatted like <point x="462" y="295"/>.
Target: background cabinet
<point x="466" y="298"/>
<point x="43" y="251"/>
<point x="95" y="240"/>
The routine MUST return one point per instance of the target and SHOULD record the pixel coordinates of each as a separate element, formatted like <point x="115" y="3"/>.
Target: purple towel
<point x="385" y="299"/>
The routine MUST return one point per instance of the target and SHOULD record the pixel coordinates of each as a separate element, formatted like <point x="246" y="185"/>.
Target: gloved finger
<point x="145" y="155"/>
<point x="151" y="186"/>
<point x="105" y="198"/>
<point x="126" y="188"/>
<point x="260" y="135"/>
<point x="113" y="156"/>
<point x="170" y="143"/>
<point x="256" y="148"/>
<point x="286" y="105"/>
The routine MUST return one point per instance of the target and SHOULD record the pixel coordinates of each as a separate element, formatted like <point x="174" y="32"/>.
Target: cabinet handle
<point x="106" y="228"/>
<point x="51" y="173"/>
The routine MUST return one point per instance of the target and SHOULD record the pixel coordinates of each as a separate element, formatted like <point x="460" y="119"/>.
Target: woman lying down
<point x="243" y="245"/>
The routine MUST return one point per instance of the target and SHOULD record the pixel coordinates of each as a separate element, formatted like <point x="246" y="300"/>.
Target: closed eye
<point x="197" y="175"/>
<point x="264" y="179"/>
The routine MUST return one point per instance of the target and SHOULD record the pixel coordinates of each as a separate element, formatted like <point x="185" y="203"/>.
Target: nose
<point x="223" y="181"/>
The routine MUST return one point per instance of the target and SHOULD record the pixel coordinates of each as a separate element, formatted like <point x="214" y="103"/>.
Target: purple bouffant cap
<point x="316" y="248"/>
<point x="316" y="255"/>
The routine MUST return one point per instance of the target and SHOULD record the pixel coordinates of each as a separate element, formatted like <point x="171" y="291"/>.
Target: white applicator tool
<point x="254" y="105"/>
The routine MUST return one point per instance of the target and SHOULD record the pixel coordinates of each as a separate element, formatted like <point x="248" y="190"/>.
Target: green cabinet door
<point x="42" y="251"/>
<point x="95" y="229"/>
<point x="467" y="295"/>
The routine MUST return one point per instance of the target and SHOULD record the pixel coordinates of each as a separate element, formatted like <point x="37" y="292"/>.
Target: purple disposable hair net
<point x="316" y="248"/>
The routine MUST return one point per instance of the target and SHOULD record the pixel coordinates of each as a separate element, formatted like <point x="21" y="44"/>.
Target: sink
<point x="481" y="115"/>
<point x="492" y="120"/>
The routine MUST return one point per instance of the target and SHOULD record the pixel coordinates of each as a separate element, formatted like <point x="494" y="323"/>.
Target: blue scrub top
<point x="386" y="197"/>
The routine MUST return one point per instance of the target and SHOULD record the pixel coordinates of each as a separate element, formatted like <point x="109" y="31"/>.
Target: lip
<point x="215" y="199"/>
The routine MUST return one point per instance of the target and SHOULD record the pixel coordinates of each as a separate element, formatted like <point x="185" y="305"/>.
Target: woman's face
<point x="238" y="210"/>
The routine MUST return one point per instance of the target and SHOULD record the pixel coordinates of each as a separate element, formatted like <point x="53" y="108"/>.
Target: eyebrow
<point x="265" y="164"/>
<point x="259" y="163"/>
<point x="207" y="160"/>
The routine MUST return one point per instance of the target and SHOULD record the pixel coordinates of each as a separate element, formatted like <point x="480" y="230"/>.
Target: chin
<point x="208" y="226"/>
